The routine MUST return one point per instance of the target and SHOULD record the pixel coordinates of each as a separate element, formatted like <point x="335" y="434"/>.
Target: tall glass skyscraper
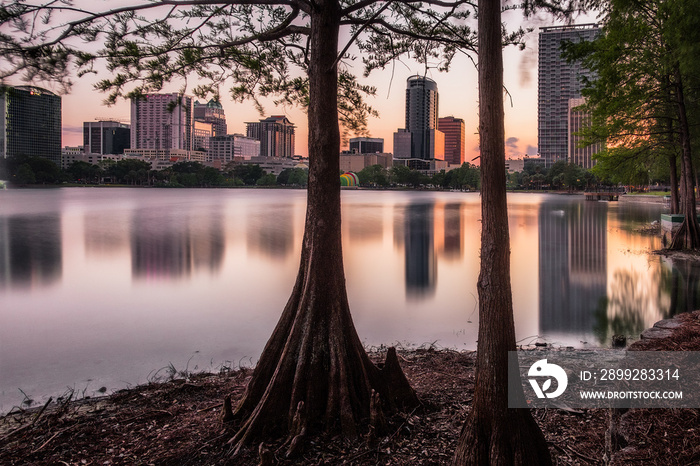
<point x="426" y="142"/>
<point x="558" y="82"/>
<point x="30" y="123"/>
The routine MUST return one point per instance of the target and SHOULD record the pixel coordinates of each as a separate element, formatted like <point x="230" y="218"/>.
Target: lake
<point x="109" y="287"/>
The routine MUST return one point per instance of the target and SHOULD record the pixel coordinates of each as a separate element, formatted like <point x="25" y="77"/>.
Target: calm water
<point x="103" y="287"/>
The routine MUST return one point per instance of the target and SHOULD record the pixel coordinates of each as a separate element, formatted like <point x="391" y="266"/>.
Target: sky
<point x="457" y="89"/>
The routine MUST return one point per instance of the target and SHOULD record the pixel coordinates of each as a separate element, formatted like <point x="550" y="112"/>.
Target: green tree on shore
<point x="647" y="67"/>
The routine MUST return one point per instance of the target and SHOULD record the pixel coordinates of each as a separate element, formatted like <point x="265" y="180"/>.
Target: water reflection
<point x="573" y="263"/>
<point x="165" y="244"/>
<point x="106" y="233"/>
<point x="179" y="271"/>
<point x="30" y="251"/>
<point x="421" y="263"/>
<point x="681" y="280"/>
<point x="454" y="231"/>
<point x="271" y="233"/>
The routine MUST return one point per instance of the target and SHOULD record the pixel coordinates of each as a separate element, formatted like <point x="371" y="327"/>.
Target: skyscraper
<point x="558" y="81"/>
<point x="106" y="137"/>
<point x="578" y="120"/>
<point x="30" y="123"/>
<point x="276" y="136"/>
<point x="161" y="121"/>
<point x="422" y="117"/>
<point x="453" y="128"/>
<point x="211" y="112"/>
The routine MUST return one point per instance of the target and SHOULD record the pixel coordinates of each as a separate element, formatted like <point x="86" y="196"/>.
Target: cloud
<point x="72" y="129"/>
<point x="512" y="146"/>
<point x="531" y="150"/>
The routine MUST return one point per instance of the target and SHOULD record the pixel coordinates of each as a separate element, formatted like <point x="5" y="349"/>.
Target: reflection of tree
<point x="635" y="302"/>
<point x="421" y="267"/>
<point x="682" y="283"/>
<point x="30" y="250"/>
<point x="272" y="232"/>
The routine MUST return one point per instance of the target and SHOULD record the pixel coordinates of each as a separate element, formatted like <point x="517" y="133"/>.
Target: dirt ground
<point x="177" y="423"/>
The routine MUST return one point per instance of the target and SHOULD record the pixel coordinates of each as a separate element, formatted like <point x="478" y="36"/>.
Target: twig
<point x="219" y="405"/>
<point x="47" y="442"/>
<point x="16" y="431"/>
<point x="581" y="455"/>
<point x="42" y="410"/>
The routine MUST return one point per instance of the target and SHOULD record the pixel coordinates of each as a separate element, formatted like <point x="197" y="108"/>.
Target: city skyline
<point x="458" y="88"/>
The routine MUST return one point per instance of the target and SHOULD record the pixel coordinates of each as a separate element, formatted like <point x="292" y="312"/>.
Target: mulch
<point x="177" y="423"/>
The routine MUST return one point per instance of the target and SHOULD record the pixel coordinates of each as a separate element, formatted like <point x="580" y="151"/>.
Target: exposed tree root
<point x="315" y="376"/>
<point x="687" y="236"/>
<point x="515" y="440"/>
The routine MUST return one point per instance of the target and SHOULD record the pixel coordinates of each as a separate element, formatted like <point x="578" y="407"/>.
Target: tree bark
<point x="314" y="374"/>
<point x="688" y="235"/>
<point x="494" y="434"/>
<point x="673" y="169"/>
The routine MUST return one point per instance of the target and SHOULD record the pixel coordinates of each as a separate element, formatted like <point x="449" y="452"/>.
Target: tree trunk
<point x="688" y="235"/>
<point x="314" y="374"/>
<point x="494" y="434"/>
<point x="673" y="169"/>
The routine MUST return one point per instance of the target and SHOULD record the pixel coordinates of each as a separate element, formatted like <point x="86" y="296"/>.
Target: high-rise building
<point x="453" y="128"/>
<point x="201" y="133"/>
<point x="30" y="123"/>
<point x="106" y="137"/>
<point x="276" y="136"/>
<point x="422" y="115"/>
<point x="161" y="121"/>
<point x="427" y="143"/>
<point x="366" y="145"/>
<point x="578" y="120"/>
<point x="558" y="81"/>
<point x="211" y="112"/>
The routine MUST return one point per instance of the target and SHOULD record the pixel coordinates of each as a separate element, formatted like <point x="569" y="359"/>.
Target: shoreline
<point x="178" y="421"/>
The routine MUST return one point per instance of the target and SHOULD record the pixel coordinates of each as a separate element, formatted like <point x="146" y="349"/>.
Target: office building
<point x="577" y="121"/>
<point x="558" y="81"/>
<point x="106" y="137"/>
<point x="211" y="112"/>
<point x="201" y="133"/>
<point x="225" y="148"/>
<point x="420" y="133"/>
<point x="276" y="136"/>
<point x="358" y="162"/>
<point x="30" y="123"/>
<point x="366" y="145"/>
<point x="161" y="122"/>
<point x="453" y="129"/>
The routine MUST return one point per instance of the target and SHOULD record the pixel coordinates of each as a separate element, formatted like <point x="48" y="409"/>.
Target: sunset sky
<point x="457" y="97"/>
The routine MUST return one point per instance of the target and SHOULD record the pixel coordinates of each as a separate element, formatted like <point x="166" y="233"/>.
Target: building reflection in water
<point x="106" y="234"/>
<point x="271" y="232"/>
<point x="30" y="250"/>
<point x="573" y="265"/>
<point x="167" y="244"/>
<point x="454" y="231"/>
<point x="420" y="260"/>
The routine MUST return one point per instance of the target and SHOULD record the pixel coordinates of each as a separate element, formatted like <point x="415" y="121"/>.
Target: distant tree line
<point x="23" y="170"/>
<point x="466" y="177"/>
